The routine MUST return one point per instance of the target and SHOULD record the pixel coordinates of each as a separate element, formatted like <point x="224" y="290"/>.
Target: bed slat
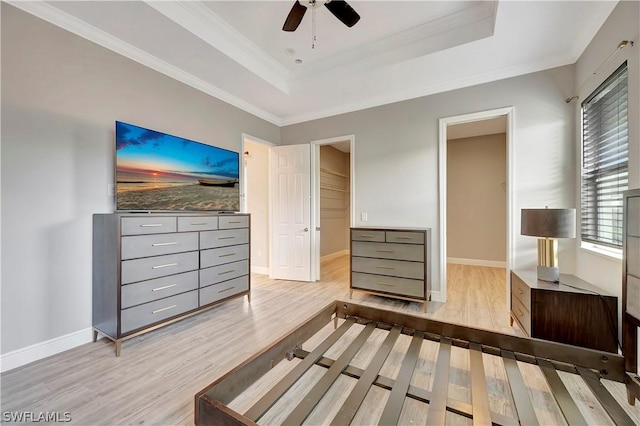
<point x="479" y="394"/>
<point x="270" y="398"/>
<point x="391" y="413"/>
<point x="569" y="409"/>
<point x="438" y="404"/>
<point x="611" y="406"/>
<point x="304" y="408"/>
<point x="354" y="400"/>
<point x="524" y="408"/>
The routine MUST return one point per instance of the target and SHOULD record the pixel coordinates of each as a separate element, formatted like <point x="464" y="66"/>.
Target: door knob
<point x="306" y="229"/>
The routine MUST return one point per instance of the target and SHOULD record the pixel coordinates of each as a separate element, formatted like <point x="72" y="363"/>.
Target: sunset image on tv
<point x="160" y="172"/>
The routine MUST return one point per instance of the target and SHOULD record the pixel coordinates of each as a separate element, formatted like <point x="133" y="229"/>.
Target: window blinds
<point x="605" y="158"/>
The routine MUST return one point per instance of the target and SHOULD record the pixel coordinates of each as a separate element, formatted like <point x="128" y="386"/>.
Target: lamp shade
<point x="548" y="223"/>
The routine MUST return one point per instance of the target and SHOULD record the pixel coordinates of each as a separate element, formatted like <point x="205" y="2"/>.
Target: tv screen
<point x="160" y="172"/>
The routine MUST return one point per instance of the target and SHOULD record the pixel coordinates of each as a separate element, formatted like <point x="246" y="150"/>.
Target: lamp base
<point x="549" y="273"/>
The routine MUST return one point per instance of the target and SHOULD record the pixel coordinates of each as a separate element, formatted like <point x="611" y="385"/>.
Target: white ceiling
<point x="237" y="52"/>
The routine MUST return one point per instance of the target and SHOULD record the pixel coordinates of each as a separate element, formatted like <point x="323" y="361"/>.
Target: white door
<point x="291" y="213"/>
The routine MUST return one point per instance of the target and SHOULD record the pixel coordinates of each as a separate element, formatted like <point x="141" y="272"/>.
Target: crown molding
<point x="80" y="28"/>
<point x="213" y="30"/>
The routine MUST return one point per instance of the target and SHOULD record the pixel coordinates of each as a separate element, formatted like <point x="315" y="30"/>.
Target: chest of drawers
<point x="393" y="262"/>
<point x="153" y="269"/>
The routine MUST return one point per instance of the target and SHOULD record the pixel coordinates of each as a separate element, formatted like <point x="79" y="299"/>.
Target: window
<point x="605" y="158"/>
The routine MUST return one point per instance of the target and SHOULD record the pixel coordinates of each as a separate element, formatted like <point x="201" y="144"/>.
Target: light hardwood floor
<point x="158" y="374"/>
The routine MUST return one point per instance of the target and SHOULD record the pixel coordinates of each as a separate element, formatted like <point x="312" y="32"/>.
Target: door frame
<point x="315" y="195"/>
<point x="509" y="112"/>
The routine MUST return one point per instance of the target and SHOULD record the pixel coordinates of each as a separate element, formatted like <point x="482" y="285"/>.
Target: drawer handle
<point x="172" y="243"/>
<point x="227" y="255"/>
<point x="164" y="309"/>
<point x="226" y="238"/>
<point x="151" y="225"/>
<point x="384" y="250"/>
<point x="404" y="238"/>
<point x="226" y="289"/>
<point x="385" y="284"/>
<point x="198" y="223"/>
<point x="164" y="287"/>
<point x="367" y="235"/>
<point x="226" y="272"/>
<point x="386" y="267"/>
<point x="235" y="221"/>
<point x="166" y="265"/>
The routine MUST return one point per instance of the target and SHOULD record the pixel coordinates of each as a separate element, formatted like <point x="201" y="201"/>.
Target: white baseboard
<point x="332" y="256"/>
<point x="436" y="296"/>
<point x="477" y="262"/>
<point x="23" y="356"/>
<point x="264" y="270"/>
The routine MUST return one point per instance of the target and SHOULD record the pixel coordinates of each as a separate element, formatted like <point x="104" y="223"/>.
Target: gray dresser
<point x="631" y="280"/>
<point x="153" y="269"/>
<point x="393" y="262"/>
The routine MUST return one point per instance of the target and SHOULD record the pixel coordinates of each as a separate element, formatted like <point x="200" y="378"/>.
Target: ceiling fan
<point x="339" y="8"/>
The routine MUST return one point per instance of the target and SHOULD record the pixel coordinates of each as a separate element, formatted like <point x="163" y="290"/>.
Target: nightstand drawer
<point x="367" y="235"/>
<point x="222" y="238"/>
<point x="633" y="216"/>
<point x="403" y="237"/>
<point x="521" y="314"/>
<point x="148" y="225"/>
<point x="135" y="246"/>
<point x="394" y="268"/>
<point x="520" y="291"/>
<point x="388" y="251"/>
<point x="399" y="286"/>
<point x="197" y="223"/>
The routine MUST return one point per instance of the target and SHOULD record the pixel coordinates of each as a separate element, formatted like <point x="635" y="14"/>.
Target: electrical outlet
<point x="363" y="216"/>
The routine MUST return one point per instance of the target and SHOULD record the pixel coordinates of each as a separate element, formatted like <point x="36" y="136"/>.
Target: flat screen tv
<point x="160" y="172"/>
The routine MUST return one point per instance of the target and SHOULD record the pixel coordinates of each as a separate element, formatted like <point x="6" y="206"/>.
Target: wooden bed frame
<point x="211" y="404"/>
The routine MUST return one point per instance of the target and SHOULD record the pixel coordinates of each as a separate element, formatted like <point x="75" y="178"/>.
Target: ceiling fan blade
<point x="295" y="17"/>
<point x="343" y="12"/>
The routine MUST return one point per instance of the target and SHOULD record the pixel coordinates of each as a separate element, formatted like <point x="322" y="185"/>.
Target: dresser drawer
<point x="147" y="291"/>
<point x="520" y="291"/>
<point x="222" y="238"/>
<point x="150" y="313"/>
<point x="197" y="223"/>
<point x="633" y="256"/>
<point x="148" y="225"/>
<point x="395" y="268"/>
<point x="388" y="251"/>
<point x="158" y="266"/>
<point x="394" y="285"/>
<point x="224" y="272"/>
<point x="403" y="237"/>
<point x="633" y="296"/>
<point x="521" y="314"/>
<point x="218" y="256"/>
<point x="135" y="246"/>
<point x="231" y="222"/>
<point x="222" y="290"/>
<point x="367" y="235"/>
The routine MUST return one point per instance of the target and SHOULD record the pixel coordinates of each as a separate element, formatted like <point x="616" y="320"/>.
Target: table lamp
<point x="548" y="225"/>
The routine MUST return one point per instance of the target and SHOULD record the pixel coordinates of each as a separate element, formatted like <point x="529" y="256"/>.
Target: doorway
<point x="474" y="126"/>
<point x="332" y="163"/>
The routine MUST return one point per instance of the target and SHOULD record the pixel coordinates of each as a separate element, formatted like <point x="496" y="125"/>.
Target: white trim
<point x="38" y="351"/>
<point x="334" y="255"/>
<point x="315" y="195"/>
<point x="437" y="296"/>
<point x="442" y="174"/>
<point x="614" y="255"/>
<point x="477" y="262"/>
<point x="80" y="28"/>
<point x="260" y="270"/>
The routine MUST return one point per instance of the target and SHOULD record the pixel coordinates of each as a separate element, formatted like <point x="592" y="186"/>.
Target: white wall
<point x="603" y="271"/>
<point x="396" y="170"/>
<point x="61" y="96"/>
<point x="257" y="201"/>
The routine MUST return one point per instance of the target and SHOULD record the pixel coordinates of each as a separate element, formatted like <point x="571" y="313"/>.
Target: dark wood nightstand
<point x="564" y="314"/>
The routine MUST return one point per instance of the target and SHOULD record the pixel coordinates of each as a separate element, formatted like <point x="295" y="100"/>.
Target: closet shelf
<point x="333" y="188"/>
<point x="333" y="172"/>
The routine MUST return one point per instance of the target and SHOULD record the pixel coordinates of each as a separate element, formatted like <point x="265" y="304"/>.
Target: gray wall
<point x="60" y="97"/>
<point x="476" y="199"/>
<point x="396" y="154"/>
